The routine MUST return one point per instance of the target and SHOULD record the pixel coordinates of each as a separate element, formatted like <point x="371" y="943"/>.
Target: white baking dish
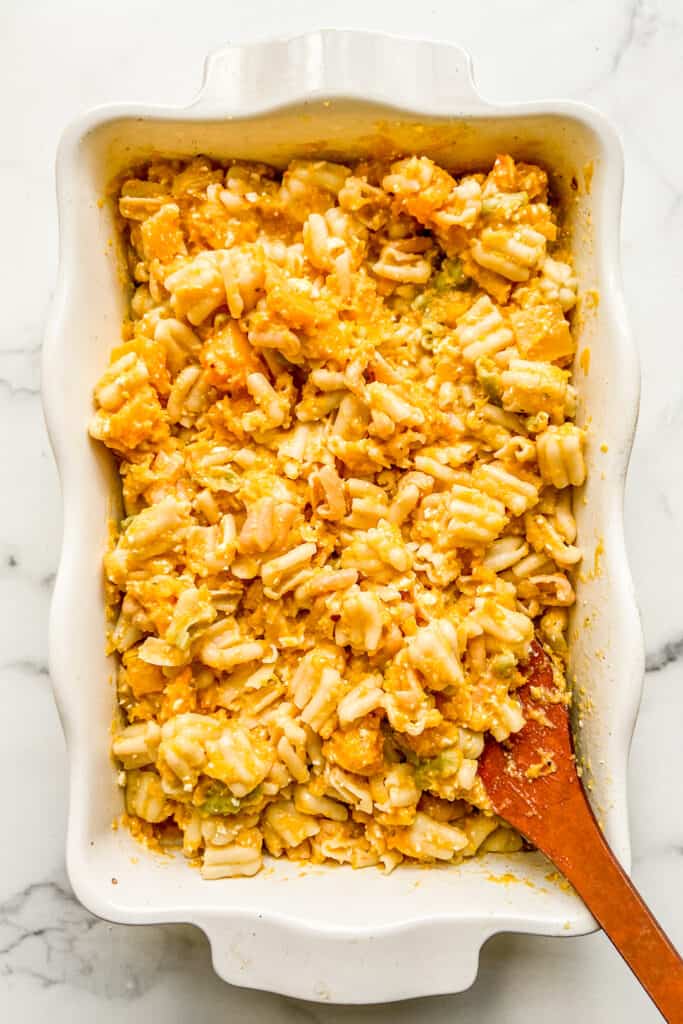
<point x="334" y="933"/>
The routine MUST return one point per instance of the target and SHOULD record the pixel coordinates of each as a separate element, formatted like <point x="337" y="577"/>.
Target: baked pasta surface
<point x="343" y="421"/>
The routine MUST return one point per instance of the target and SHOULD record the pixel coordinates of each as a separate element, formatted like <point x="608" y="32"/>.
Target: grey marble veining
<point x="625" y="56"/>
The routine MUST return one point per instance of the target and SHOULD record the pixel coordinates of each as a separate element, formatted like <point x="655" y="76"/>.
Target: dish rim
<point x="229" y="90"/>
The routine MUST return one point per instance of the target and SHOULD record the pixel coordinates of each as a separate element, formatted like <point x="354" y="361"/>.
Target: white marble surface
<point x="624" y="56"/>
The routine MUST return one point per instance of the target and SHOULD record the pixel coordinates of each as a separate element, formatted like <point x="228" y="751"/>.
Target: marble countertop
<point x="623" y="56"/>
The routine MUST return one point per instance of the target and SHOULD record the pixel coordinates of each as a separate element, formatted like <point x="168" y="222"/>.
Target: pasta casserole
<point x="343" y="418"/>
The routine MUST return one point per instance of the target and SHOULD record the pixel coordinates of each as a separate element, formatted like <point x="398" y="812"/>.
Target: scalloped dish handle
<point x="340" y="967"/>
<point x="331" y="63"/>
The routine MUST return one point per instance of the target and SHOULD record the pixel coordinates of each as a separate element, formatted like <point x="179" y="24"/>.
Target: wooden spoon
<point x="533" y="784"/>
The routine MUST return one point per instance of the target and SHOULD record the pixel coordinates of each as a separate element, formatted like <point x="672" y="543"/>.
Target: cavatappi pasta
<point x="343" y="417"/>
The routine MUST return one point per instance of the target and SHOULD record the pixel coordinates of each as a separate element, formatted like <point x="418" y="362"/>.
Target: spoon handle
<point x="578" y="848"/>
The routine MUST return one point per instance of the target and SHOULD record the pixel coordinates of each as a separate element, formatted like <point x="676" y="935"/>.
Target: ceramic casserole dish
<point x="334" y="933"/>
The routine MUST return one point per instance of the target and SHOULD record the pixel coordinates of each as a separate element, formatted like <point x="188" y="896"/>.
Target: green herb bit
<point x="220" y="801"/>
<point x="489" y="377"/>
<point x="430" y="769"/>
<point x="450" y="275"/>
<point x="503" y="664"/>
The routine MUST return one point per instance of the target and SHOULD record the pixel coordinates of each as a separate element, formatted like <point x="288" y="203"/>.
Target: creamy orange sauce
<point x="343" y="417"/>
